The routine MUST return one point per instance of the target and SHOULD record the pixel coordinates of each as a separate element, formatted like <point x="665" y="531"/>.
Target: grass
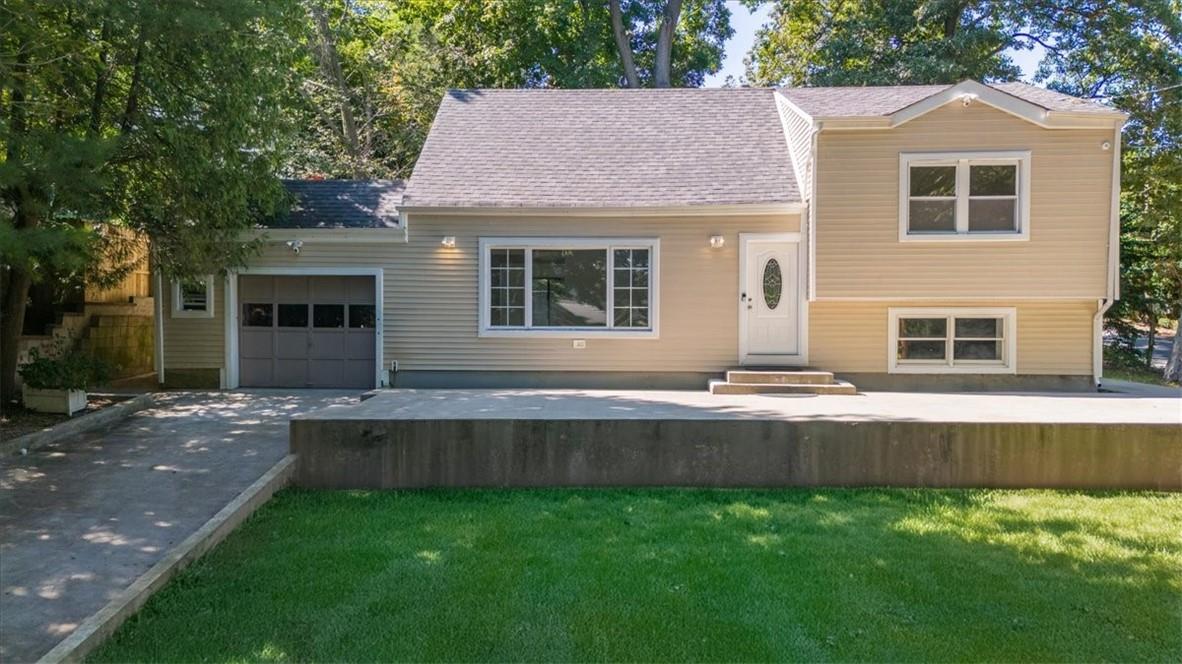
<point x="1138" y="375"/>
<point x="675" y="575"/>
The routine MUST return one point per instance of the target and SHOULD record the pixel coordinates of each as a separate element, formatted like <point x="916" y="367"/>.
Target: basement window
<point x="954" y="340"/>
<point x="568" y="287"/>
<point x="193" y="298"/>
<point x="964" y="196"/>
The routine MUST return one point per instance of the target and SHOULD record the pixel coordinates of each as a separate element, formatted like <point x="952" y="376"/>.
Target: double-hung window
<point x="964" y="196"/>
<point x="568" y="287"/>
<point x="192" y="298"/>
<point x="952" y="340"/>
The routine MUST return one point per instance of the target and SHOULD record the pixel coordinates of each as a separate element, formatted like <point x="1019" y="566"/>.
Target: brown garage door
<point x="306" y="331"/>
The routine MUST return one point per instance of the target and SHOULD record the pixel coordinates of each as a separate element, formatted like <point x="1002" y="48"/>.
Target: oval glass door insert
<point x="773" y="283"/>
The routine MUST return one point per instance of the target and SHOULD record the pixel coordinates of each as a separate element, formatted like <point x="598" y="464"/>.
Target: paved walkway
<point x="80" y="521"/>
<point x="540" y="404"/>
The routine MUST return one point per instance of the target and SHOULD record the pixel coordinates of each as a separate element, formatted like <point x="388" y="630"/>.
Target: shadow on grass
<point x="663" y="575"/>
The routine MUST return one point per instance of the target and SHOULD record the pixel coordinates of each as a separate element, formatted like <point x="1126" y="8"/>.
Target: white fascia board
<point x="662" y="211"/>
<point x="970" y="91"/>
<point x="973" y="92"/>
<point x="329" y="235"/>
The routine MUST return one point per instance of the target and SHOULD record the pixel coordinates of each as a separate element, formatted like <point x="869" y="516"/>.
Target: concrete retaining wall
<point x="349" y="454"/>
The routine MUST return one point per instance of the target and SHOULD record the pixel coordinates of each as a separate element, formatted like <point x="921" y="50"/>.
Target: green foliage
<point x="866" y="42"/>
<point x="64" y="370"/>
<point x="397" y="59"/>
<point x="678" y="575"/>
<point x="162" y="118"/>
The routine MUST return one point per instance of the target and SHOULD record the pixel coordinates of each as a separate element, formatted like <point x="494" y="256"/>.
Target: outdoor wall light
<point x="716" y="241"/>
<point x="448" y="241"/>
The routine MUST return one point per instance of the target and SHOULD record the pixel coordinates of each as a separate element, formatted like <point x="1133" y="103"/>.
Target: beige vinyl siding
<point x="1054" y="336"/>
<point x="431" y="304"/>
<point x="430" y="292"/>
<point x="194" y="343"/>
<point x="858" y="252"/>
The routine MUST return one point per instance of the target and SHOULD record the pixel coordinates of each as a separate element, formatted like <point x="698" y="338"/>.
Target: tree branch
<point x="623" y="45"/>
<point x="662" y="68"/>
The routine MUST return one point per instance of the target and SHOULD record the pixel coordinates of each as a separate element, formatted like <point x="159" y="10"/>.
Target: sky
<point x="745" y="24"/>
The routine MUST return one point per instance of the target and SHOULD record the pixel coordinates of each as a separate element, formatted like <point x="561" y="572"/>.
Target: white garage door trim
<point x="230" y="375"/>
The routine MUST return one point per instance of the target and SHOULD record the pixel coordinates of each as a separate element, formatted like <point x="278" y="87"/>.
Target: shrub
<point x="63" y="370"/>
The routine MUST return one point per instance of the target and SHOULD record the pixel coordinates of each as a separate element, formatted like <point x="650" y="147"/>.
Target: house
<point x="939" y="236"/>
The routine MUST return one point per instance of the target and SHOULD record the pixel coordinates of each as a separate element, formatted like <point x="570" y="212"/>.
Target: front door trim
<point x="802" y="322"/>
<point x="230" y="375"/>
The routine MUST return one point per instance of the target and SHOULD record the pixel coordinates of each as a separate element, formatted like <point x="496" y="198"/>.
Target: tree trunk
<point x="12" y="323"/>
<point x="662" y="75"/>
<point x="133" y="89"/>
<point x="1151" y="338"/>
<point x="100" y="83"/>
<point x="623" y="45"/>
<point x="12" y="307"/>
<point x="330" y="66"/>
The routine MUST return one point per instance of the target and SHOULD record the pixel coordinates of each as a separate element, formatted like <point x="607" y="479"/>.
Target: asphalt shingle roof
<point x="871" y="101"/>
<point x="341" y="204"/>
<point x="604" y="148"/>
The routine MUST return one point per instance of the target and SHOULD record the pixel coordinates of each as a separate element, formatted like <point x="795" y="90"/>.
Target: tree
<point x="397" y="58"/>
<point x="1128" y="54"/>
<point x="165" y="119"/>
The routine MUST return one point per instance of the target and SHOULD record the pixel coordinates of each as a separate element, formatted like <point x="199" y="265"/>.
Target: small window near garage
<point x="293" y="315"/>
<point x="192" y="298"/>
<point x="362" y="316"/>
<point x="964" y="196"/>
<point x="952" y="340"/>
<point x="257" y="315"/>
<point x="328" y="315"/>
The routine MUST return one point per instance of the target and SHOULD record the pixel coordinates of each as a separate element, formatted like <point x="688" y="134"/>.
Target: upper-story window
<point x="964" y="196"/>
<point x="193" y="298"/>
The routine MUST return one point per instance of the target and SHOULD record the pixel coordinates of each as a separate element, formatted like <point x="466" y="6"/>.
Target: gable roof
<point x="646" y="148"/>
<point x="877" y="102"/>
<point x="341" y="204"/>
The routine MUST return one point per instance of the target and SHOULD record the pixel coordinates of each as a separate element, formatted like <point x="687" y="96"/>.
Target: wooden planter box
<point x="54" y="401"/>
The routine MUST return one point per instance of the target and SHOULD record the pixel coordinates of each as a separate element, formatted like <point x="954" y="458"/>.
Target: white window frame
<point x="487" y="244"/>
<point x="1009" y="358"/>
<point x="179" y="312"/>
<point x="962" y="161"/>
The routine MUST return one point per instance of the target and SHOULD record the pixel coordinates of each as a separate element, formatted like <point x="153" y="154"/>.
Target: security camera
<point x="295" y="245"/>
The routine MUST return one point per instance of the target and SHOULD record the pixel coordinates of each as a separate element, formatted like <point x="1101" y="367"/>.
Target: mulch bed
<point x="17" y="421"/>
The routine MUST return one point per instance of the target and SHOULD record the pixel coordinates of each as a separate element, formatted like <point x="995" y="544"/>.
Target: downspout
<point x="158" y="350"/>
<point x="1112" y="285"/>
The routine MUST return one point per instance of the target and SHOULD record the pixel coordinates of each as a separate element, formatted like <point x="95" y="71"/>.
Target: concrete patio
<point x="81" y="521"/>
<point x="433" y="438"/>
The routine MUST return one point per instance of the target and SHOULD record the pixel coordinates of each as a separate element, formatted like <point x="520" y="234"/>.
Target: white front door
<point x="770" y="300"/>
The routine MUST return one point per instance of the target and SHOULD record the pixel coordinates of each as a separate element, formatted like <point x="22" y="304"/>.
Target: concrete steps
<point x="746" y="381"/>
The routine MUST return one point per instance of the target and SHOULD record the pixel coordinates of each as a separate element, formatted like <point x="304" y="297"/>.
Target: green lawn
<point x="662" y="575"/>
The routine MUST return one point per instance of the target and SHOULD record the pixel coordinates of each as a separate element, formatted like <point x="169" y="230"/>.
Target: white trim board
<point x="487" y="244"/>
<point x="176" y="301"/>
<point x="230" y="375"/>
<point x="329" y="235"/>
<point x="802" y="315"/>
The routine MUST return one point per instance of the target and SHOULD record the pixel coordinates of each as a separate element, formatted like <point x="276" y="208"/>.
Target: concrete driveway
<point x="80" y="521"/>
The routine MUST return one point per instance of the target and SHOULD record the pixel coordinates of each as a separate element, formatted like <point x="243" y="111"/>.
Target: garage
<point x="307" y="331"/>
